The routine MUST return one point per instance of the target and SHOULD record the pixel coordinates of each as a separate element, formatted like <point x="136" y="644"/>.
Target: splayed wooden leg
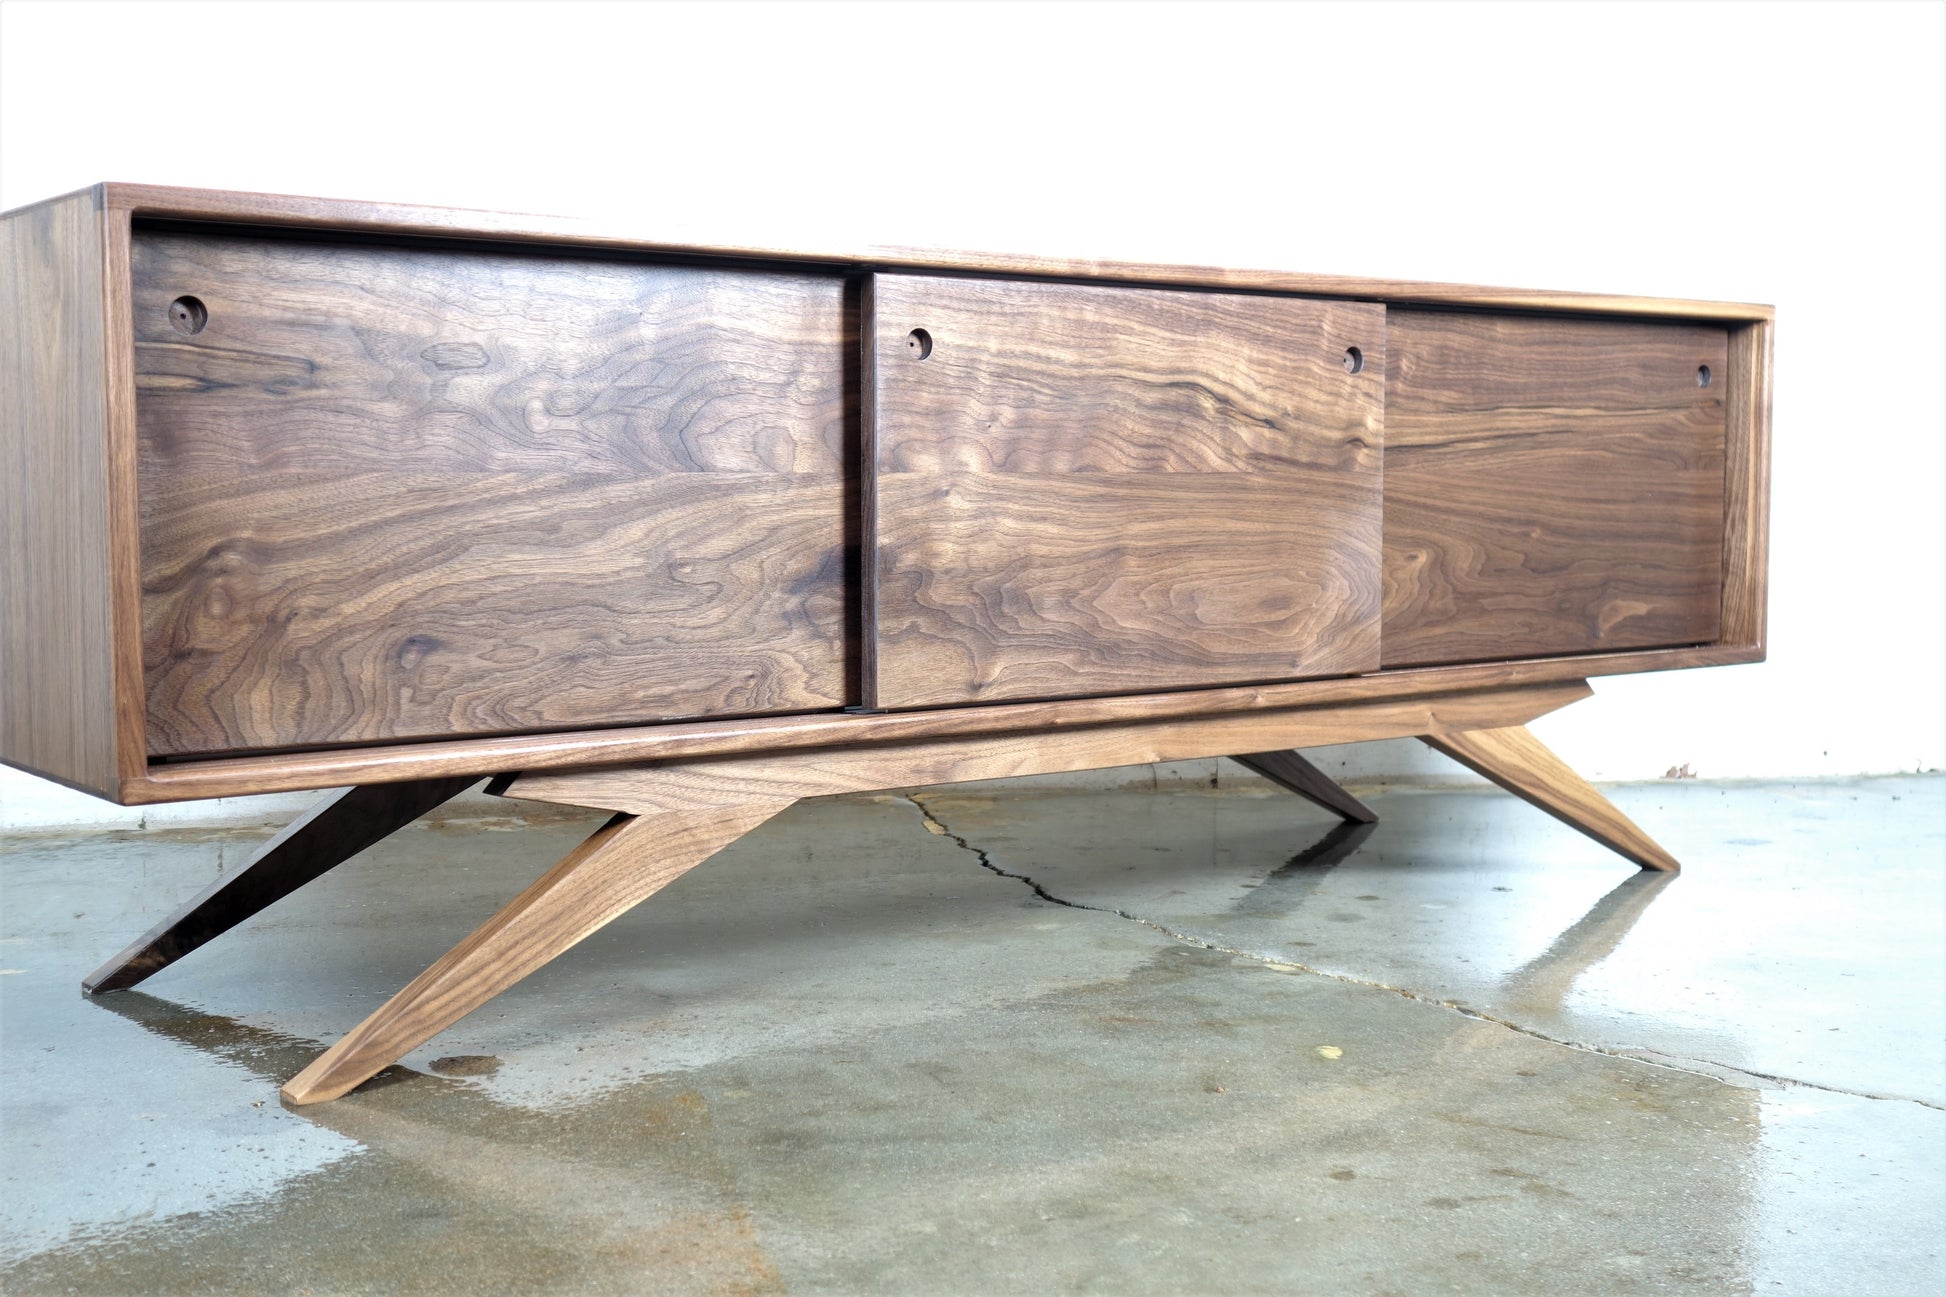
<point x="675" y="814"/>
<point x="1525" y="767"/>
<point x="332" y="832"/>
<point x="625" y="861"/>
<point x="1292" y="771"/>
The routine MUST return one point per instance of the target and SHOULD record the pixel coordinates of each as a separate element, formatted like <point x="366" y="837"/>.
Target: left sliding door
<point x="393" y="492"/>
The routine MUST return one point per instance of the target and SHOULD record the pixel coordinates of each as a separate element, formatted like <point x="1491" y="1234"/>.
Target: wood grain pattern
<point x="294" y="772"/>
<point x="1551" y="486"/>
<point x="57" y="678"/>
<point x="396" y="493"/>
<point x="332" y="832"/>
<point x="522" y="601"/>
<point x="708" y="782"/>
<point x="402" y="218"/>
<point x="1524" y="766"/>
<point x="623" y="863"/>
<point x="1746" y="541"/>
<point x="868" y="482"/>
<point x="1087" y="490"/>
<point x="323" y="357"/>
<point x="1070" y="380"/>
<point x="1291" y="771"/>
<point x="995" y="587"/>
<point x="124" y="511"/>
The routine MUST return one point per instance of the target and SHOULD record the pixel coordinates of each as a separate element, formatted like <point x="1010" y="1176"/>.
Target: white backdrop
<point x="1789" y="154"/>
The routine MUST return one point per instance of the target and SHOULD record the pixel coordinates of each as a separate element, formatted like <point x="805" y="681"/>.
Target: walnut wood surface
<point x="689" y="785"/>
<point x="1087" y="490"/>
<point x="1551" y="486"/>
<point x="292" y="772"/>
<point x="1524" y="766"/>
<point x="623" y="863"/>
<point x="42" y="531"/>
<point x="385" y="218"/>
<point x="1291" y="771"/>
<point x="394" y="493"/>
<point x="332" y="832"/>
<point x="520" y="601"/>
<point x="57" y="684"/>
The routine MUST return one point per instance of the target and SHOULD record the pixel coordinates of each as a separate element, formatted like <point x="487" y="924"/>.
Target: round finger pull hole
<point x="188" y="314"/>
<point x="1703" y="375"/>
<point x="919" y="343"/>
<point x="1354" y="360"/>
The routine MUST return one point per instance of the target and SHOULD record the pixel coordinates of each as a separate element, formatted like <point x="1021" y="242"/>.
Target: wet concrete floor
<point x="1001" y="1040"/>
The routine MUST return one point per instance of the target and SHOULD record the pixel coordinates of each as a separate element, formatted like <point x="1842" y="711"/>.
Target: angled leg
<point x="330" y="833"/>
<point x="625" y="861"/>
<point x="1307" y="781"/>
<point x="674" y="814"/>
<point x="1523" y="765"/>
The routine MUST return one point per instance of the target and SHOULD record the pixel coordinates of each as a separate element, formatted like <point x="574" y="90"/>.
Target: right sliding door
<point x="1553" y="485"/>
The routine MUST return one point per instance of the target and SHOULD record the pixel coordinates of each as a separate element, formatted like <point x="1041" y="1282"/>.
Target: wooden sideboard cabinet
<point x="306" y="494"/>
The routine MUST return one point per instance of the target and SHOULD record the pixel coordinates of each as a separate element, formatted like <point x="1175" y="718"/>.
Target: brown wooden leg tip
<point x="316" y="1084"/>
<point x="1513" y="758"/>
<point x="622" y="863"/>
<point x="1661" y="863"/>
<point x="324" y="837"/>
<point x="1293" y="772"/>
<point x="302" y="1089"/>
<point x="142" y="960"/>
<point x="111" y="978"/>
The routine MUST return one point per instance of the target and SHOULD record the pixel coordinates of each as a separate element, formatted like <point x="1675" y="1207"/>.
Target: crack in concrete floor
<point x="1722" y="1072"/>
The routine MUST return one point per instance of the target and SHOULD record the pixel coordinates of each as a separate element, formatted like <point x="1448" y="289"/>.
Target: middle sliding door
<point x="1077" y="490"/>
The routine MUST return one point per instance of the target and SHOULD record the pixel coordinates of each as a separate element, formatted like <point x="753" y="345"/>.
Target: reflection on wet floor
<point x="844" y="1057"/>
<point x="1543" y="982"/>
<point x="1338" y="845"/>
<point x="1809" y="958"/>
<point x="530" y="1196"/>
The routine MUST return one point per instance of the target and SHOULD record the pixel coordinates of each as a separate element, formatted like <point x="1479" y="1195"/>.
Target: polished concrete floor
<point x="993" y="1040"/>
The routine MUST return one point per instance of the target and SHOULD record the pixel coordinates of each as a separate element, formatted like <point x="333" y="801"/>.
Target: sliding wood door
<point x="1080" y="490"/>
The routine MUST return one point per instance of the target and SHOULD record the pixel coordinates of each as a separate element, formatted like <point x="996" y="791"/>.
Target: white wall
<point x="1791" y="154"/>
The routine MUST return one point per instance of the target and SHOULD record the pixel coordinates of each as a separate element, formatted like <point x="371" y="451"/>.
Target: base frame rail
<point x="670" y="816"/>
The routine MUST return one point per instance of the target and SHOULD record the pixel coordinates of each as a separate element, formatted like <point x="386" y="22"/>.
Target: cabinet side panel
<point x="57" y="708"/>
<point x="1552" y="486"/>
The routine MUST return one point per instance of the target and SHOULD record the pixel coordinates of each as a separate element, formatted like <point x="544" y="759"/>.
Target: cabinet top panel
<point x="394" y="220"/>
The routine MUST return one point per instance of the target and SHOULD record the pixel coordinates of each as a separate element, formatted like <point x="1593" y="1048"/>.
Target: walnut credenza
<point x="303" y="494"/>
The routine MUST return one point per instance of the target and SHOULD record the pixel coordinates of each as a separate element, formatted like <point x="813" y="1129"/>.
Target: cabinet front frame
<point x="121" y="719"/>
